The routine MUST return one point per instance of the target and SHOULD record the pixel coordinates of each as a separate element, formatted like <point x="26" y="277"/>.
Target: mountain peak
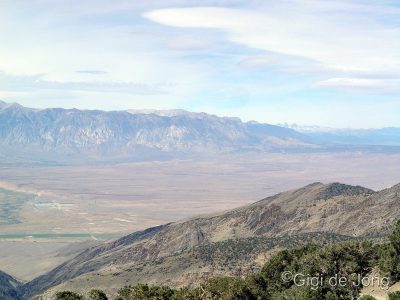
<point x="340" y="189"/>
<point x="4" y="105"/>
<point x="313" y="193"/>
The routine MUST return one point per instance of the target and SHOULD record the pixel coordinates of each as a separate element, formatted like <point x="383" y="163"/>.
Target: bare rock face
<point x="101" y="134"/>
<point x="317" y="208"/>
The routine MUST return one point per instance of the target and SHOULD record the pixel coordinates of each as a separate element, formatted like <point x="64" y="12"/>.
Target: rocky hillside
<point x="134" y="134"/>
<point x="331" y="209"/>
<point x="8" y="287"/>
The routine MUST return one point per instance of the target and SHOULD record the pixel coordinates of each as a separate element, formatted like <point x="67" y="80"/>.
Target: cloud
<point x="363" y="84"/>
<point x="345" y="37"/>
<point x="36" y="82"/>
<point x="58" y="50"/>
<point x="284" y="63"/>
<point x="92" y="72"/>
<point x="186" y="43"/>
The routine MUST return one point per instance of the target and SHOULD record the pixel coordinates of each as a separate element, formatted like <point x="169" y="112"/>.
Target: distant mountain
<point x="56" y="135"/>
<point x="388" y="136"/>
<point x="8" y="287"/>
<point x="133" y="134"/>
<point x="181" y="253"/>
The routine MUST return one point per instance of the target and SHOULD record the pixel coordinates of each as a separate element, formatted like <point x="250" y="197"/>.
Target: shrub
<point x="97" y="295"/>
<point x="67" y="295"/>
<point x="367" y="297"/>
<point x="395" y="237"/>
<point x="394" y="296"/>
<point x="144" y="292"/>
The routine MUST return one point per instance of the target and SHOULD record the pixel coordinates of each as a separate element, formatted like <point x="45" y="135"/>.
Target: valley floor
<point x="100" y="202"/>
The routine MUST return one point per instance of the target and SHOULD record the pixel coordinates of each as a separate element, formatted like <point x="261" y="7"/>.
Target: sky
<point x="327" y="63"/>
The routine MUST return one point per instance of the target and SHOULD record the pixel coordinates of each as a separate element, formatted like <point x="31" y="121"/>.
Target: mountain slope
<point x="332" y="209"/>
<point x="125" y="134"/>
<point x="8" y="287"/>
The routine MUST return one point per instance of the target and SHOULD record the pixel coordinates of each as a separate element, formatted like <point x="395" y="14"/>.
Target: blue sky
<point x="328" y="63"/>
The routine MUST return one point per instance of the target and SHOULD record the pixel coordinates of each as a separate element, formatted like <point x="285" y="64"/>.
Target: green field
<point x="10" y="205"/>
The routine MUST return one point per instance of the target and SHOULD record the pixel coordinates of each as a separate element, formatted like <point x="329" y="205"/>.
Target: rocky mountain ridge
<point x="124" y="134"/>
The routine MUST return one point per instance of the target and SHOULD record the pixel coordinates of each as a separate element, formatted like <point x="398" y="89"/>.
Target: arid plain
<point x="61" y="208"/>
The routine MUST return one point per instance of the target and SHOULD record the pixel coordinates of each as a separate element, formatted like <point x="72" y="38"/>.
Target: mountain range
<point x="67" y="135"/>
<point x="389" y="136"/>
<point x="229" y="243"/>
<point x="133" y="134"/>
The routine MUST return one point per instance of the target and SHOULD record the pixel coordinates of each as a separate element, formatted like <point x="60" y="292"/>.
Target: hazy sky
<point x="329" y="63"/>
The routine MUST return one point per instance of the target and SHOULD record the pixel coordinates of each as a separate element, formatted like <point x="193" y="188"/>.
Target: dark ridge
<point x="139" y="235"/>
<point x="8" y="287"/>
<point x="340" y="189"/>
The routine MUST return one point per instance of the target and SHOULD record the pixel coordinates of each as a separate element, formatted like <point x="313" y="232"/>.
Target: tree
<point x="395" y="237"/>
<point x="394" y="296"/>
<point x="227" y="288"/>
<point x="144" y="292"/>
<point x="367" y="297"/>
<point x="97" y="295"/>
<point x="67" y="295"/>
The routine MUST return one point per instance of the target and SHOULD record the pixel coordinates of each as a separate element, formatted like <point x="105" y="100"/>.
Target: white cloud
<point x="186" y="43"/>
<point x="344" y="37"/>
<point x="36" y="82"/>
<point x="92" y="72"/>
<point x="365" y="84"/>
